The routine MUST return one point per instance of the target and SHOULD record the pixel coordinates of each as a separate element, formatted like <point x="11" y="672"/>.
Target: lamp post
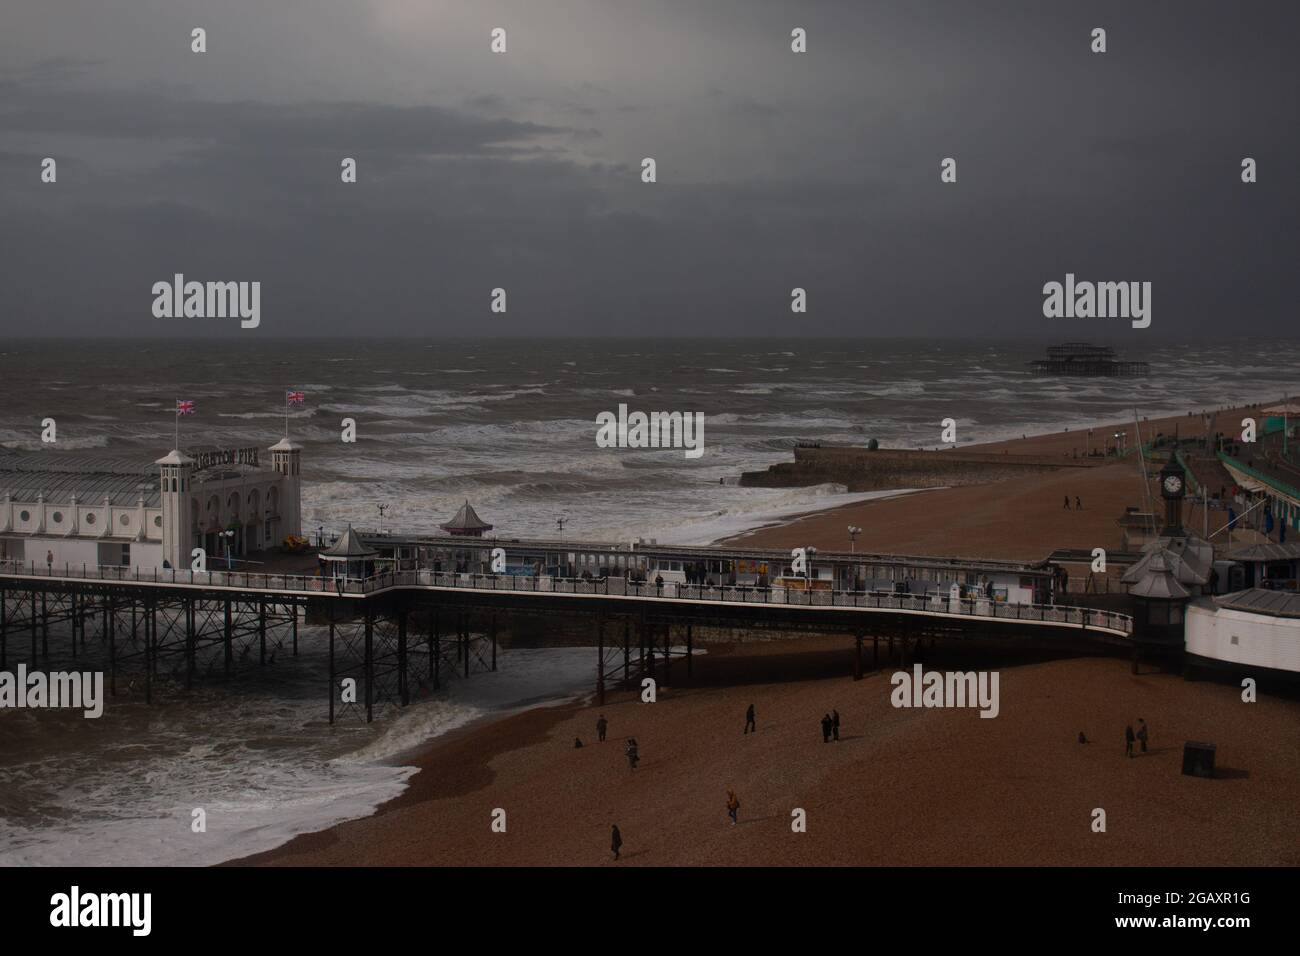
<point x="807" y="569"/>
<point x="854" y="531"/>
<point x="226" y="536"/>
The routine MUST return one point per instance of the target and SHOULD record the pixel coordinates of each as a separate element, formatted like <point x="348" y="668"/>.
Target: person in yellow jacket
<point x="733" y="806"/>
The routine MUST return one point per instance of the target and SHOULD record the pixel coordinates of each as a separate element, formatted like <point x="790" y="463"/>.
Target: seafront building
<point x="66" y="509"/>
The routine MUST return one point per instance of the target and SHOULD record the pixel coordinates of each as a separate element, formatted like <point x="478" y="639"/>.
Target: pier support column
<point x="4" y="627"/>
<point x="403" y="692"/>
<point x="668" y="655"/>
<point x="148" y="654"/>
<point x="293" y="609"/>
<point x="261" y="631"/>
<point x="331" y="685"/>
<point x="72" y="620"/>
<point x="435" y="638"/>
<point x="33" y="629"/>
<point x="111" y="637"/>
<point x="690" y="650"/>
<point x="230" y="651"/>
<point x="627" y="657"/>
<point x="494" y="642"/>
<point x="464" y="641"/>
<point x="189" y="643"/>
<point x="45" y="629"/>
<point x="370" y="663"/>
<point x="875" y="652"/>
<point x="857" y="657"/>
<point x="600" y="662"/>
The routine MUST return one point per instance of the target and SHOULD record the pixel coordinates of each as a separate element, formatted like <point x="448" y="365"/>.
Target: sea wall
<point x="863" y="469"/>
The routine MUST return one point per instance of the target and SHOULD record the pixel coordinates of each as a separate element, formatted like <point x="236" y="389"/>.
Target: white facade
<point x="75" y="511"/>
<point x="1243" y="638"/>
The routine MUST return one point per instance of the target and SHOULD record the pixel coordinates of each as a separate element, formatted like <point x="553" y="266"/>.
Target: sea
<point x="509" y="426"/>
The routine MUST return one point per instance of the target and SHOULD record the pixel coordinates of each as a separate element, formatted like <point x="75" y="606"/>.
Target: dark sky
<point x="775" y="170"/>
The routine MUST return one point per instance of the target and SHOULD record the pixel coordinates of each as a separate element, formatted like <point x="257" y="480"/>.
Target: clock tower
<point x="1173" y="486"/>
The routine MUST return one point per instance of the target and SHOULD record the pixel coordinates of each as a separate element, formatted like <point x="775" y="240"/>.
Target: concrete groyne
<point x="865" y="469"/>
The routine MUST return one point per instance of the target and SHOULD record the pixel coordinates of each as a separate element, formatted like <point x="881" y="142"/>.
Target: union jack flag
<point x="185" y="407"/>
<point x="295" y="398"/>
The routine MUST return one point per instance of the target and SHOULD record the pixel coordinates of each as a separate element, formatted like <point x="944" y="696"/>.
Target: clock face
<point x="1173" y="484"/>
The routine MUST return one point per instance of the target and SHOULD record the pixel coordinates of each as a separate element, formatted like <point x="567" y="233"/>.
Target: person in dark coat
<point x="826" y="728"/>
<point x="615" y="840"/>
<point x="1128" y="740"/>
<point x="601" y="726"/>
<point x="1142" y="734"/>
<point x="749" y="720"/>
<point x="633" y="756"/>
<point x="835" y="725"/>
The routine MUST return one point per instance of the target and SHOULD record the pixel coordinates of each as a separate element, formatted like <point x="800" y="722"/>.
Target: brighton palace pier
<point x="71" y="510"/>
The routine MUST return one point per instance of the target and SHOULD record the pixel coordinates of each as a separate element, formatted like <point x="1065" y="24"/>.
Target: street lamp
<point x="227" y="535"/>
<point x="854" y="531"/>
<point x="807" y="569"/>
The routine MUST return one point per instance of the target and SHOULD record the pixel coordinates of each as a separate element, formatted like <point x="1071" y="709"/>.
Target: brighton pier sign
<point x="225" y="456"/>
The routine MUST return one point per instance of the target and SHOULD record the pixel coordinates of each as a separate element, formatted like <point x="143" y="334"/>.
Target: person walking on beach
<point x="1067" y="502"/>
<point x="615" y="840"/>
<point x="826" y="728"/>
<point x="601" y="726"/>
<point x="1142" y="734"/>
<point x="733" y="806"/>
<point x="835" y="725"/>
<point x="1128" y="740"/>
<point x="632" y="755"/>
<point x="749" y="720"/>
<point x="1078" y="505"/>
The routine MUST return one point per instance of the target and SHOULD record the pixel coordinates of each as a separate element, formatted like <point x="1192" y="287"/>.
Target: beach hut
<point x="348" y="557"/>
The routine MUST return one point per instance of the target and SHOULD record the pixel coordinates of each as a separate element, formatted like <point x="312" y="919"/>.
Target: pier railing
<point x="932" y="603"/>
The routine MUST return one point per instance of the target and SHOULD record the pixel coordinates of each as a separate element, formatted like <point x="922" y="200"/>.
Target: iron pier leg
<point x="875" y="652"/>
<point x="45" y="629"/>
<point x="225" y="638"/>
<point x="111" y="635"/>
<point x="4" y="626"/>
<point x="627" y="658"/>
<point x="148" y="655"/>
<point x="600" y="662"/>
<point x="857" y="658"/>
<point x="189" y="644"/>
<point x="261" y="631"/>
<point x="72" y="618"/>
<point x="668" y="654"/>
<point x="370" y="663"/>
<point x="690" y="651"/>
<point x="33" y="627"/>
<point x="437" y="649"/>
<point x="402" y="691"/>
<point x="464" y="643"/>
<point x="293" y="609"/>
<point x="494" y="641"/>
<point x="331" y="687"/>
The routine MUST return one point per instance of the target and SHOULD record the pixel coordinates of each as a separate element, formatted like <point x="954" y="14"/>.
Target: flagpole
<point x="178" y="424"/>
<point x="286" y="415"/>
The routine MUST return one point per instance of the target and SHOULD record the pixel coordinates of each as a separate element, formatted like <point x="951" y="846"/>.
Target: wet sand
<point x="901" y="787"/>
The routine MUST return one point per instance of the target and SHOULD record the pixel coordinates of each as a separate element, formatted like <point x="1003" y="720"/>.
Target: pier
<point x="401" y="631"/>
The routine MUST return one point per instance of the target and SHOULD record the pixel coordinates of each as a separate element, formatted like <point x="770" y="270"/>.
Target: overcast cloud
<point x="522" y="170"/>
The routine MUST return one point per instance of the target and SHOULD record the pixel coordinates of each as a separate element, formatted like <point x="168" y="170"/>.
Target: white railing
<point x="931" y="603"/>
